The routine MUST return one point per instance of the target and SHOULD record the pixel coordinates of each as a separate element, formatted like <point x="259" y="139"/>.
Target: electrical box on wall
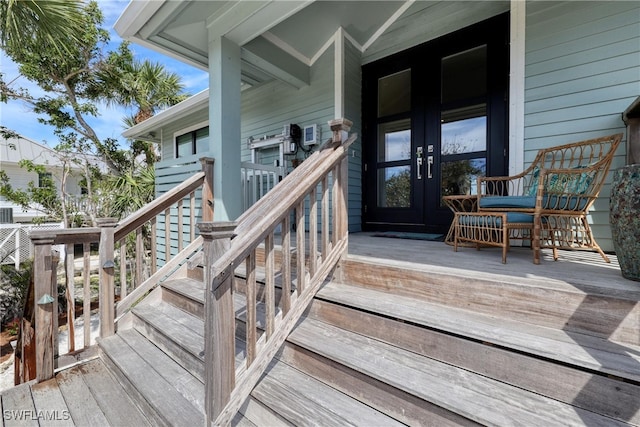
<point x="310" y="135"/>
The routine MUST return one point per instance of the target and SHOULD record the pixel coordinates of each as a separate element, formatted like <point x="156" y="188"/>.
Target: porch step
<point x="155" y="382"/>
<point x="584" y="352"/>
<point x="344" y="358"/>
<point x="300" y="399"/>
<point x="588" y="307"/>
<point x="583" y="371"/>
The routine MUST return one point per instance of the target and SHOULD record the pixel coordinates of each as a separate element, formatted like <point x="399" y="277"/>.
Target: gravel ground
<point x="6" y="368"/>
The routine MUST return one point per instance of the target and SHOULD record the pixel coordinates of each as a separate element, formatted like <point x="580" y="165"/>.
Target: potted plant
<point x="624" y="204"/>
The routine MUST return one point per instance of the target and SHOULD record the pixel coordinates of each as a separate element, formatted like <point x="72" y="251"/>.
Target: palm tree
<point x="147" y="87"/>
<point x="51" y="21"/>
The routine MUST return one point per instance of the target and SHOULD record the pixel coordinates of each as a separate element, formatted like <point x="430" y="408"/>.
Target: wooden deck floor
<point x="579" y="270"/>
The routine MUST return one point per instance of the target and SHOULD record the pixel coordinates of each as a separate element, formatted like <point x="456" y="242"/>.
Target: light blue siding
<point x="353" y="107"/>
<point x="582" y="70"/>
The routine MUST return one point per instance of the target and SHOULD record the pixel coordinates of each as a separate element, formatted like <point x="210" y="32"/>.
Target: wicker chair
<point x="557" y="190"/>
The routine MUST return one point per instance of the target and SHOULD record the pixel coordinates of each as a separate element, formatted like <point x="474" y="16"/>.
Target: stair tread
<point x="144" y="375"/>
<point x="300" y="398"/>
<point x="194" y="290"/>
<point x="187" y="287"/>
<point x="593" y="353"/>
<point x="110" y="396"/>
<point x="186" y="330"/>
<point x="471" y="395"/>
<point x="187" y="384"/>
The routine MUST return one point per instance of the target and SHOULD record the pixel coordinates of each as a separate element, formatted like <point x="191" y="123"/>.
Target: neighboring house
<point x="439" y="91"/>
<point x="13" y="150"/>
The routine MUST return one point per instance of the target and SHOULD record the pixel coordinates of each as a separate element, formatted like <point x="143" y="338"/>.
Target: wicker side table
<point x="457" y="204"/>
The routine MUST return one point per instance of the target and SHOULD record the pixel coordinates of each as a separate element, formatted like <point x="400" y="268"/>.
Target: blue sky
<point x="16" y="115"/>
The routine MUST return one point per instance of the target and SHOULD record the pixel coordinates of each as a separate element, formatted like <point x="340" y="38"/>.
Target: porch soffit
<point x="279" y="39"/>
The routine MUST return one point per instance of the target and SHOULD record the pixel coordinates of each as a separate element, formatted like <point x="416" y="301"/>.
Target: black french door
<point x="434" y="119"/>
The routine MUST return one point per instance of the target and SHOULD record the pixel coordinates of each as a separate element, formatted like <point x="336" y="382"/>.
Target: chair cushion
<point x="508" y="202"/>
<point x="489" y="220"/>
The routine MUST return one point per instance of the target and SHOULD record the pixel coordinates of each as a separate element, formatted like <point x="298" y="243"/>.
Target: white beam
<point x="516" y="86"/>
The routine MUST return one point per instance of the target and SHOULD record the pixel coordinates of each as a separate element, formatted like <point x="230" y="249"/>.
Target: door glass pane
<point x="464" y="75"/>
<point x="394" y="141"/>
<point x="464" y="130"/>
<point x="461" y="177"/>
<point x="394" y="93"/>
<point x="394" y="187"/>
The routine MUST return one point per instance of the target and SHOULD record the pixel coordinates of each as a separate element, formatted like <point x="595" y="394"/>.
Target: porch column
<point x="224" y="127"/>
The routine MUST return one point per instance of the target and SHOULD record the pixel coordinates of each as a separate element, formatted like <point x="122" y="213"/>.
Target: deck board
<point x="83" y="407"/>
<point x="18" y="409"/>
<point x="47" y="397"/>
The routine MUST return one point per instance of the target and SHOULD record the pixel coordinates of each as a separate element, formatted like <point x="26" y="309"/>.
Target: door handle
<point x="419" y="161"/>
<point x="429" y="164"/>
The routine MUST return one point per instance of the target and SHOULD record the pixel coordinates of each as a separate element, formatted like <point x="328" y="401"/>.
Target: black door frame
<point x="424" y="62"/>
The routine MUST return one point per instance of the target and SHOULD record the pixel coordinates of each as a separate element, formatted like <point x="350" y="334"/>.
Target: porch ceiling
<point x="279" y="39"/>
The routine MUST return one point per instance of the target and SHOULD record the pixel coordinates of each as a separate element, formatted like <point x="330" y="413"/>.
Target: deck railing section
<point x="114" y="260"/>
<point x="229" y="246"/>
<point x="258" y="180"/>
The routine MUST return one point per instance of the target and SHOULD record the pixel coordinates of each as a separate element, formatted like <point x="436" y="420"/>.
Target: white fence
<point x="15" y="244"/>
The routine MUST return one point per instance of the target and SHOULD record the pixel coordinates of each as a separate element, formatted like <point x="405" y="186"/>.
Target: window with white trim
<point x="196" y="141"/>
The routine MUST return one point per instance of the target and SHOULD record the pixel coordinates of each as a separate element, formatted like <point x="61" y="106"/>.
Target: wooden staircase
<point x="391" y="351"/>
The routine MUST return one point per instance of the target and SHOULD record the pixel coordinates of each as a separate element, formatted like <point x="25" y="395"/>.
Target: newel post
<point x="207" y="189"/>
<point x="219" y="327"/>
<point x="46" y="305"/>
<point x="106" y="252"/>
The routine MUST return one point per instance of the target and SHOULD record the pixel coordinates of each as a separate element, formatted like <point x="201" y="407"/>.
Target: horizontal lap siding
<point x="267" y="108"/>
<point x="169" y="174"/>
<point x="582" y="71"/>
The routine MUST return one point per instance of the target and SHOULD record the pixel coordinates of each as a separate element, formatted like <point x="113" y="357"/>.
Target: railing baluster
<point x="300" y="252"/>
<point x="286" y="264"/>
<point x="313" y="231"/>
<point x="325" y="217"/>
<point x="251" y="307"/>
<point x="167" y="235"/>
<point x="123" y="269"/>
<point x="270" y="299"/>
<point x="86" y="292"/>
<point x="154" y="239"/>
<point x="192" y="217"/>
<point x="139" y="257"/>
<point x="70" y="293"/>
<point x="180" y="225"/>
<point x="342" y="228"/>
